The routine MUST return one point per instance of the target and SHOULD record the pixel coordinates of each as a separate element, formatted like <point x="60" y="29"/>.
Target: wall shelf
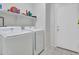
<point x="21" y="20"/>
<point x="15" y="14"/>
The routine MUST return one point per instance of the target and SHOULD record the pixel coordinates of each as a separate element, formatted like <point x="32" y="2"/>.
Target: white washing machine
<point x="16" y="42"/>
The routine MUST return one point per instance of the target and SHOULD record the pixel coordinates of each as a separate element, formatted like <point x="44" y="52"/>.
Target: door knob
<point x="58" y="28"/>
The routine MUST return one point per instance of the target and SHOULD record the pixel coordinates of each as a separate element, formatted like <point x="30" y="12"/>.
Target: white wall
<point x="48" y="41"/>
<point x="39" y="11"/>
<point x="21" y="6"/>
<point x="52" y="24"/>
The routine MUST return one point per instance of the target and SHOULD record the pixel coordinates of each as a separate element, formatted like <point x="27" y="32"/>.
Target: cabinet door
<point x="9" y="20"/>
<point x="19" y="45"/>
<point x="39" y="46"/>
<point x="25" y="21"/>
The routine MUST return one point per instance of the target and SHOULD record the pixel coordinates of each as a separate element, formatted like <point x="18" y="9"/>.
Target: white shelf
<point x="15" y="14"/>
<point x="21" y="20"/>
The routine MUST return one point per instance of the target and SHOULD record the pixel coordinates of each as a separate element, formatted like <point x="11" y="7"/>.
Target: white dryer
<point x="38" y="39"/>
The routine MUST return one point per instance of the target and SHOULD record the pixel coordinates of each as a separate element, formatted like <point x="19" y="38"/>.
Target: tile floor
<point x="58" y="51"/>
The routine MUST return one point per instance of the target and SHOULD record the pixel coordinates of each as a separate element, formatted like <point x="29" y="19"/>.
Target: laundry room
<point x="22" y="28"/>
<point x="39" y="28"/>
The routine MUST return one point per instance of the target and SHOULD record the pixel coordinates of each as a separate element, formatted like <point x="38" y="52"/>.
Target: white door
<point x="66" y="27"/>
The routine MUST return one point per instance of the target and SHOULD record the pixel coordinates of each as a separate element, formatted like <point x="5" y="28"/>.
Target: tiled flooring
<point x="58" y="51"/>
